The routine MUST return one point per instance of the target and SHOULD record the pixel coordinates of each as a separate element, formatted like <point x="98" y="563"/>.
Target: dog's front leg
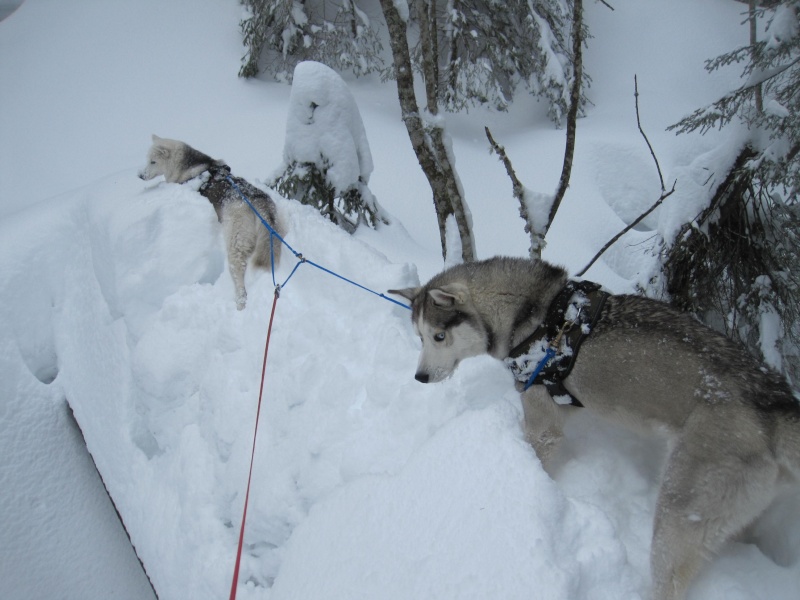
<point x="543" y="423"/>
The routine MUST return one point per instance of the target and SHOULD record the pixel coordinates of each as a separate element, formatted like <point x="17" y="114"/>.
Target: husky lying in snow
<point x="734" y="426"/>
<point x="245" y="235"/>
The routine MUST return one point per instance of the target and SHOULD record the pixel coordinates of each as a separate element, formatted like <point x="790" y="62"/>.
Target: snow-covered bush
<point x="326" y="157"/>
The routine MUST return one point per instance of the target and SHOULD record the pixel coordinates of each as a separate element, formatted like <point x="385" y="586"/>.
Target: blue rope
<point x="549" y="353"/>
<point x="299" y="256"/>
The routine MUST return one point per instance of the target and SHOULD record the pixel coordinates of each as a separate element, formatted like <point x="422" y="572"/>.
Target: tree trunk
<point x="428" y="141"/>
<point x="574" y="105"/>
<point x="753" y="41"/>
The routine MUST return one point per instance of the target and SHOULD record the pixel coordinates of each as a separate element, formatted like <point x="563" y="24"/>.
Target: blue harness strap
<point x="300" y="257"/>
<point x="547" y="356"/>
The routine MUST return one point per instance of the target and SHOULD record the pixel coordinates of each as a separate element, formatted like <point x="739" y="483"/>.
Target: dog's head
<point x="444" y="319"/>
<point x="158" y="158"/>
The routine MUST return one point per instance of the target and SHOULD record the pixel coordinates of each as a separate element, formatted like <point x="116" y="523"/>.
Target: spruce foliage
<point x="278" y="34"/>
<point x="738" y="264"/>
<point x="490" y="48"/>
<point x="308" y="183"/>
<point x="485" y="49"/>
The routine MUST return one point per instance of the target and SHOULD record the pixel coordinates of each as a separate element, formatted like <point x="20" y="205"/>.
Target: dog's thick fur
<point x="734" y="426"/>
<point x="245" y="235"/>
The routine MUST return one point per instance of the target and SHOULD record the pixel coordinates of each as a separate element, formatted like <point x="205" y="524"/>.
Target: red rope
<point x="253" y="452"/>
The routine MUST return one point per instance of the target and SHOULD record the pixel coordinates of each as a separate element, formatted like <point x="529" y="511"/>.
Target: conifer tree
<point x="487" y="49"/>
<point x="738" y="263"/>
<point x="327" y="160"/>
<point x="279" y="34"/>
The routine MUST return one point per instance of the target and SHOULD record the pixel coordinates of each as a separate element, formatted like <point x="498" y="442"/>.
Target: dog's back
<point x="246" y="233"/>
<point x="734" y="425"/>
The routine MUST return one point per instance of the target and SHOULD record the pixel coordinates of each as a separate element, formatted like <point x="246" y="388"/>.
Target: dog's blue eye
<point x="439" y="337"/>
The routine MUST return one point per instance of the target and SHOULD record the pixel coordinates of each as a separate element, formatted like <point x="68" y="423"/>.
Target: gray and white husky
<point x="734" y="426"/>
<point x="245" y="235"/>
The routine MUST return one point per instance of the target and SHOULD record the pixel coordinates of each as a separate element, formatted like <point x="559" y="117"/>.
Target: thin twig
<point x="664" y="194"/>
<point x="537" y="240"/>
<point x="501" y="152"/>
<point x="639" y="125"/>
<point x="638" y="220"/>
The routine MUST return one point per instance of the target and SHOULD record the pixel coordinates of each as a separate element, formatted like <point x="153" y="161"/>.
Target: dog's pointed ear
<point x="407" y="293"/>
<point x="155" y="138"/>
<point x="449" y="295"/>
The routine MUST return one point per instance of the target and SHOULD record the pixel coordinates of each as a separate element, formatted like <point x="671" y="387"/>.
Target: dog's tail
<point x="263" y="246"/>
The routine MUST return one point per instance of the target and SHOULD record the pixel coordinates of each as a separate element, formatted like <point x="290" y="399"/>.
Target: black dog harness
<point x="216" y="186"/>
<point x="547" y="356"/>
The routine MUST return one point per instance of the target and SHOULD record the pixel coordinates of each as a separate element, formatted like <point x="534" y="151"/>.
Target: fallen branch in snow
<point x="664" y="193"/>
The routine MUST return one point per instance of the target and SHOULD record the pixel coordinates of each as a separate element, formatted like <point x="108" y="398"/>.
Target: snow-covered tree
<point x="487" y="49"/>
<point x="279" y="34"/>
<point x="738" y="263"/>
<point x="327" y="162"/>
<point x="484" y="50"/>
<point x="427" y="134"/>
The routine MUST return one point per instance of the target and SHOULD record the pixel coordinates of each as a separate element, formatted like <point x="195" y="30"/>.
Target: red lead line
<point x="253" y="452"/>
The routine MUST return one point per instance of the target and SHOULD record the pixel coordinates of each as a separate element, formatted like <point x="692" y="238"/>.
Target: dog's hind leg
<point x="240" y="241"/>
<point x="716" y="483"/>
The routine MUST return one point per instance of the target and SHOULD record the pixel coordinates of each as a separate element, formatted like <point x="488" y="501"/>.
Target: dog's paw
<point x="241" y="300"/>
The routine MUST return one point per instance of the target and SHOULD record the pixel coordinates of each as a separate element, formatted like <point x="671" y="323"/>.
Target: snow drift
<point x="366" y="484"/>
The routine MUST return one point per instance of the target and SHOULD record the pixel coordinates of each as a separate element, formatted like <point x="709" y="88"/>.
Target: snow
<point x="117" y="301"/>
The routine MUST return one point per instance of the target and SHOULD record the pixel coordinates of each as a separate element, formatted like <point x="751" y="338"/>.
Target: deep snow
<point x="115" y="298"/>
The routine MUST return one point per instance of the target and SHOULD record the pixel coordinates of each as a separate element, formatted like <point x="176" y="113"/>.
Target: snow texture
<point x="116" y="300"/>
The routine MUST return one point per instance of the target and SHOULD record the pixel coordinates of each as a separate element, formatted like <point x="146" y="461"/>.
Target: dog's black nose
<point x="422" y="377"/>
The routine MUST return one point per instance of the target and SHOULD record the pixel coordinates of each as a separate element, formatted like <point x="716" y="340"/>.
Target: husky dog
<point x="245" y="235"/>
<point x="734" y="426"/>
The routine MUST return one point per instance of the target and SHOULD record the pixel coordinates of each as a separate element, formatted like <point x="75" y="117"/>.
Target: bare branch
<point x="518" y="188"/>
<point x="537" y="240"/>
<point x="638" y="220"/>
<point x="664" y="194"/>
<point x="639" y="124"/>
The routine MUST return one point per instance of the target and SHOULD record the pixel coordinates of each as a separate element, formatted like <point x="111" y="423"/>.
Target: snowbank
<point x="366" y="484"/>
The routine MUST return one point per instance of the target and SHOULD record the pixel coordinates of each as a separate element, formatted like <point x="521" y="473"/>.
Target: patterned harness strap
<point x="569" y="321"/>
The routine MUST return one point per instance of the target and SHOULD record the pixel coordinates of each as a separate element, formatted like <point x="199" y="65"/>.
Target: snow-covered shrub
<point x="327" y="162"/>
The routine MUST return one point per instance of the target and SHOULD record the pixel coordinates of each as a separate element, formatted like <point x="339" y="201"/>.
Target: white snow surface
<point x="116" y="300"/>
